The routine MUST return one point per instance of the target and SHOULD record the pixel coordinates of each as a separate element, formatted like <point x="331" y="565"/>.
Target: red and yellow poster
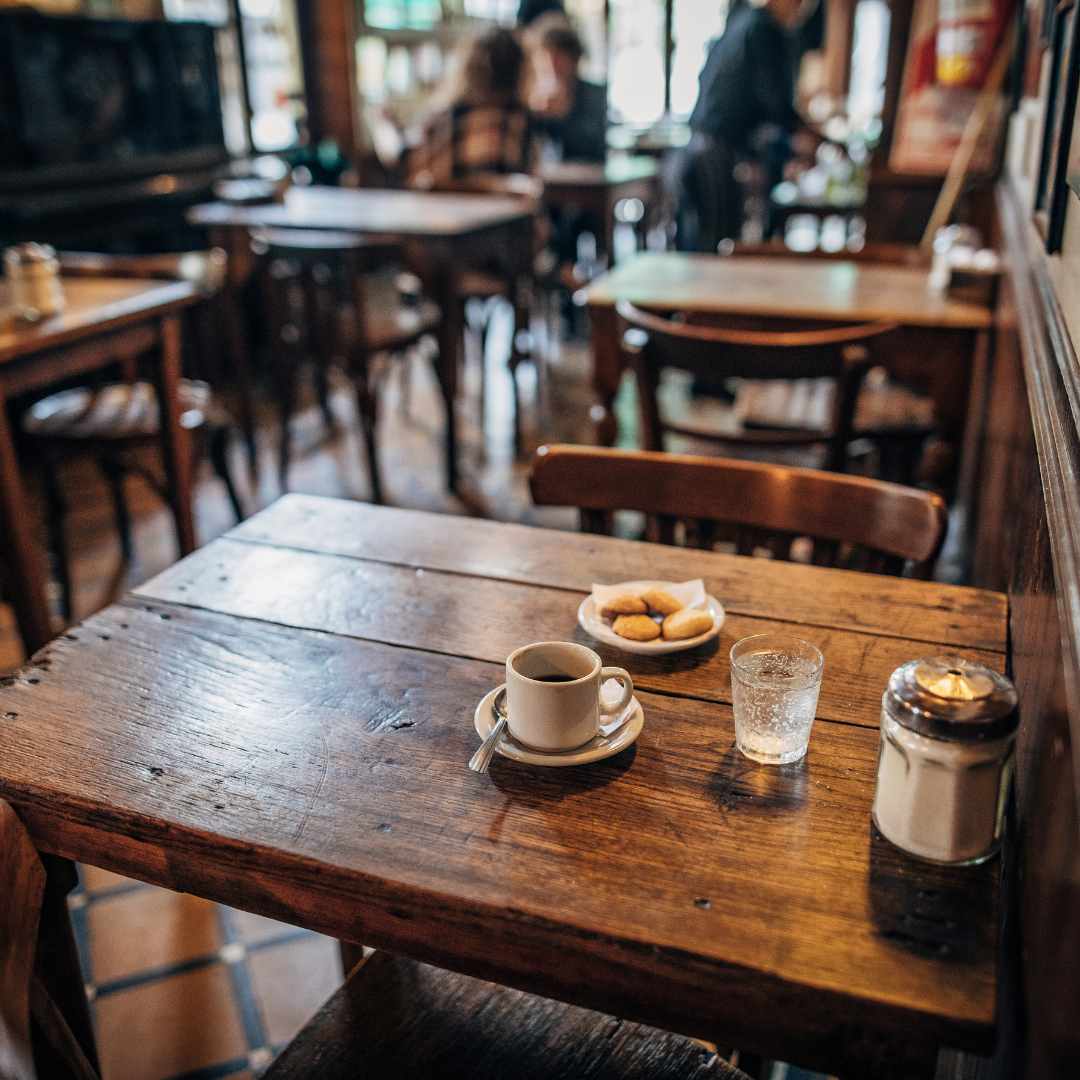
<point x="951" y="47"/>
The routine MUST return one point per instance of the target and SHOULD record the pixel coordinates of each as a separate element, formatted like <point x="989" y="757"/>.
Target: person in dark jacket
<point x="746" y="85"/>
<point x="571" y="110"/>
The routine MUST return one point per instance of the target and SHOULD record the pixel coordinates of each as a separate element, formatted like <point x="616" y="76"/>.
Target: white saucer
<point x="590" y="621"/>
<point x="603" y="746"/>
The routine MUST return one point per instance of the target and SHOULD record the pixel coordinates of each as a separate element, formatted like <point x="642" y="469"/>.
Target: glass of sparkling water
<point x="775" y="680"/>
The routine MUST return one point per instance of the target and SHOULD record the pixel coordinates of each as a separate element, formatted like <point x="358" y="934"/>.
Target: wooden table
<point x="281" y="722"/>
<point x="598" y="188"/>
<point x="106" y="320"/>
<point x="445" y="234"/>
<point x="940" y="339"/>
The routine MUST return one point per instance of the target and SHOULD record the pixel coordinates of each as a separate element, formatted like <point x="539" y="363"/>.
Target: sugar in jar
<point x="945" y="763"/>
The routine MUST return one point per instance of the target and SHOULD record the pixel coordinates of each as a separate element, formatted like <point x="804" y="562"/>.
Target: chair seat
<point x="398" y="1018"/>
<point x="116" y="412"/>
<point x="481" y="285"/>
<point x="882" y="408"/>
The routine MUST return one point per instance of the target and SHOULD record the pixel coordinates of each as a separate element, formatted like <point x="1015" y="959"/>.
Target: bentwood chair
<point x="328" y="303"/>
<point x="839" y="355"/>
<point x="851" y="522"/>
<point x="116" y="425"/>
<point x="481" y="286"/>
<point x="393" y="1017"/>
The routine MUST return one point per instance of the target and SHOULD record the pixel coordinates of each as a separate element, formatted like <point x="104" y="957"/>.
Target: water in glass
<point x="775" y="685"/>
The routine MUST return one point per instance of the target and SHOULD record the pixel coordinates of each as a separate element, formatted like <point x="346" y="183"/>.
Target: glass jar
<point x="33" y="277"/>
<point x="945" y="763"/>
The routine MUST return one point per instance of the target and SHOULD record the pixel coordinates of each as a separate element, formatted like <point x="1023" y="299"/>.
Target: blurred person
<point x="531" y="10"/>
<point x="481" y="124"/>
<point x="745" y="108"/>
<point x="572" y="111"/>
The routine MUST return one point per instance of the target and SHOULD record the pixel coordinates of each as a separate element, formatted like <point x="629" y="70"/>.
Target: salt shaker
<point x="946" y="759"/>
<point x="33" y="277"/>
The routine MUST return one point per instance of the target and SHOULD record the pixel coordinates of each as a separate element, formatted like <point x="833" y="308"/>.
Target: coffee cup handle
<point x="622" y="676"/>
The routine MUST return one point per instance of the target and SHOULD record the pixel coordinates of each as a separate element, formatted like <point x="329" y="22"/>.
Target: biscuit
<point x="636" y="627"/>
<point x="662" y="601"/>
<point x="623" y="604"/>
<point x="687" y="623"/>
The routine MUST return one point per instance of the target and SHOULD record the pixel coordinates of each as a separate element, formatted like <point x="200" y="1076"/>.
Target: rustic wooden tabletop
<point x="282" y="722"/>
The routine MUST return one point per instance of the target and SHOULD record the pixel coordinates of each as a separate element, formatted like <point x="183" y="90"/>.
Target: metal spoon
<point x="480" y="761"/>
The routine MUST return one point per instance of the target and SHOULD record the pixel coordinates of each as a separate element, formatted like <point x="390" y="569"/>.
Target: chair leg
<point x="114" y="478"/>
<point x="218" y="452"/>
<point x="322" y="393"/>
<point x="367" y="408"/>
<point x="56" y="511"/>
<point x="285" y="374"/>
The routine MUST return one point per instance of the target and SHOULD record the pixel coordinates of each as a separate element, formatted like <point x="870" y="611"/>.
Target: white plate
<point x="590" y="621"/>
<point x="603" y="746"/>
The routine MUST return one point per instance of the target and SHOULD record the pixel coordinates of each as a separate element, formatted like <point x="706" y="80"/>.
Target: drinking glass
<point x="775" y="680"/>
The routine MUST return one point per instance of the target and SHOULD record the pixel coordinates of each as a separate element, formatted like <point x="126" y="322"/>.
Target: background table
<point x="937" y="347"/>
<point x="281" y="722"/>
<point x="597" y="189"/>
<point x="106" y="320"/>
<point x="445" y="234"/>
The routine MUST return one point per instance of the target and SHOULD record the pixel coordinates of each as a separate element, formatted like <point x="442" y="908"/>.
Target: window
<point x="645" y="80"/>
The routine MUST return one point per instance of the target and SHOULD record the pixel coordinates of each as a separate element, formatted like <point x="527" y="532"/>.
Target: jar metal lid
<point x="948" y="697"/>
<point x="29" y="254"/>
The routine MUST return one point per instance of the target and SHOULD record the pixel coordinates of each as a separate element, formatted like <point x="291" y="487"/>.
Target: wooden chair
<point x="115" y="425"/>
<point x="325" y="303"/>
<point x="840" y="354"/>
<point x="482" y="286"/>
<point x="392" y="1018"/>
<point x="851" y="522"/>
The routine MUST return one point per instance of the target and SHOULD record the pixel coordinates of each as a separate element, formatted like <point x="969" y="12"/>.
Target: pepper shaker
<point x="946" y="759"/>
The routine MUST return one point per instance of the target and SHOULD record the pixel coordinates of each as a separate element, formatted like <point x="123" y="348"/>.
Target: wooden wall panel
<point x="1026" y="542"/>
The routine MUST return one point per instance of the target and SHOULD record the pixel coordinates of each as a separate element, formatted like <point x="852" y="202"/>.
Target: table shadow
<point x="739" y="783"/>
<point x="929" y="909"/>
<point x="538" y="785"/>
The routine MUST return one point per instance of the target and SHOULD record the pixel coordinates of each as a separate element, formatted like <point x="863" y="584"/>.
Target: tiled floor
<point x="180" y="987"/>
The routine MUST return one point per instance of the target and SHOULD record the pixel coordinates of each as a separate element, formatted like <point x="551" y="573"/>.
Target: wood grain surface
<point x="784" y="288"/>
<point x="370" y="210"/>
<point x="93" y="306"/>
<point x="290" y="736"/>
<point x="486" y="619"/>
<point x="914" y="610"/>
<point x="395" y="1017"/>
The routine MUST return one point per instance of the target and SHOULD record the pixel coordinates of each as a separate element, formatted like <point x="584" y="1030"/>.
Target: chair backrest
<point x="888" y="254"/>
<point x="851" y="522"/>
<point x="206" y="269"/>
<point x="655" y="342"/>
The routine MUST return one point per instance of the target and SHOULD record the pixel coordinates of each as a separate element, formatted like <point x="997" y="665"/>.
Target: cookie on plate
<point x="636" y="627"/>
<point x="687" y="623"/>
<point x="661" y="601"/>
<point x="623" y="604"/>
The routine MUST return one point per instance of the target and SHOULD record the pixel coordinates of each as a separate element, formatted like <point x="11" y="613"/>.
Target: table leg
<point x="175" y="444"/>
<point x="607" y="372"/>
<point x="445" y="289"/>
<point x="26" y="577"/>
<point x="60" y="972"/>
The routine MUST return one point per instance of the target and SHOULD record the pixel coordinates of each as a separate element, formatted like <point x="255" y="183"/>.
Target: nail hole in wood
<point x="165" y="615"/>
<point x="10" y="715"/>
<point x="703" y="902"/>
<point x="33" y="680"/>
<point x="383" y="826"/>
<point x="104" y="637"/>
<point x="123" y="626"/>
<point x="397" y="725"/>
<point x="156" y="770"/>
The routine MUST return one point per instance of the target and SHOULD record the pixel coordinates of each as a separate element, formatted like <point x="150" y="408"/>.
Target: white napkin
<point x="690" y="594"/>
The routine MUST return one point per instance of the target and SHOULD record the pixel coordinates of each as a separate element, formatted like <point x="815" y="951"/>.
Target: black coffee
<point x="555" y="678"/>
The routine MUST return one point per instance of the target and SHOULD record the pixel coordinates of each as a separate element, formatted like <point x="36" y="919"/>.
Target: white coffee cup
<point x="553" y="694"/>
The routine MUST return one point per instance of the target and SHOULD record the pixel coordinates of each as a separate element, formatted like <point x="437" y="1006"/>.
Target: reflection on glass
<point x="695" y="23"/>
<point x="866" y="93"/>
<point x="636" y="60"/>
<point x="402" y="14"/>
<point x="275" y="79"/>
